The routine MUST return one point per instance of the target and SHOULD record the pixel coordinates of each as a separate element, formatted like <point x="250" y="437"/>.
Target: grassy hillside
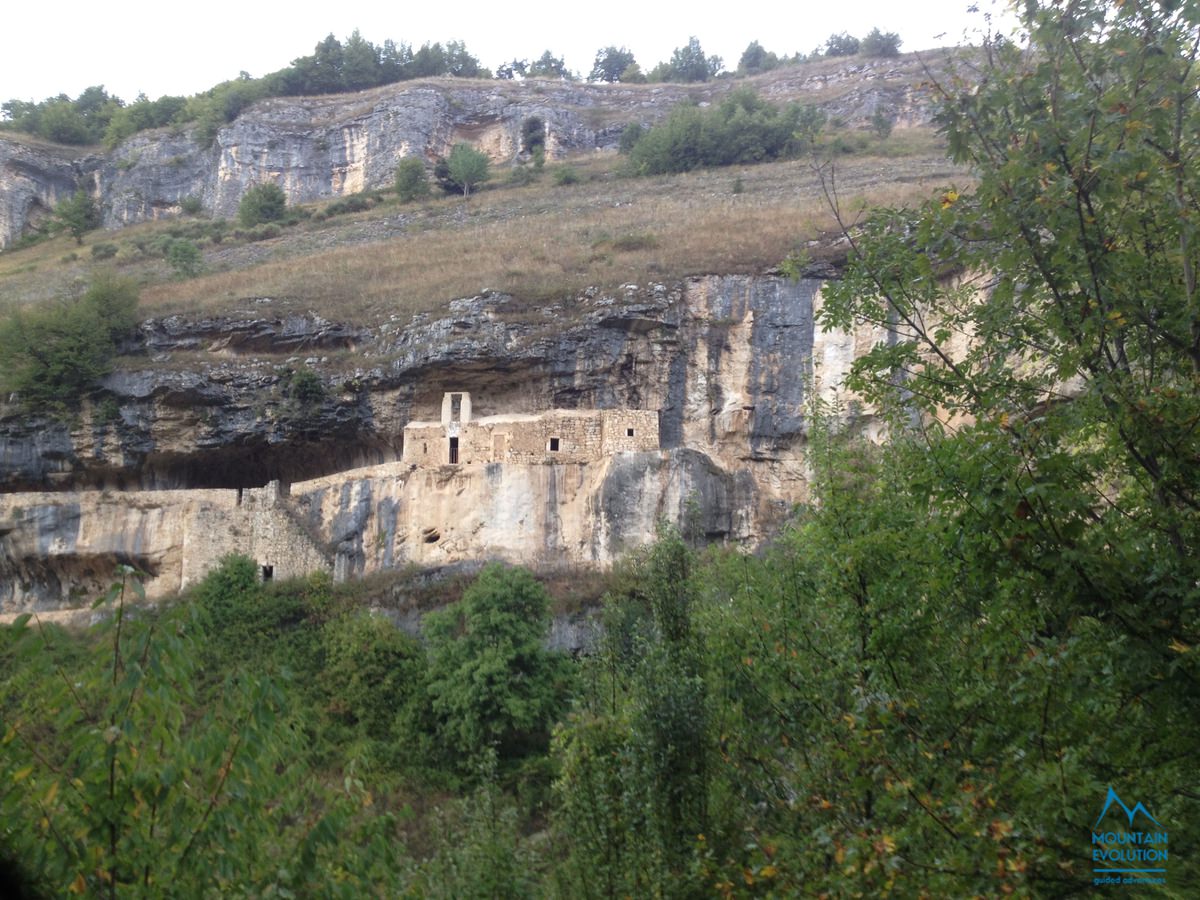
<point x="536" y="241"/>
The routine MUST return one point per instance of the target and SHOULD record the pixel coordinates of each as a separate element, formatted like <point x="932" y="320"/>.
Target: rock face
<point x="315" y="147"/>
<point x="169" y="472"/>
<point x="34" y="178"/>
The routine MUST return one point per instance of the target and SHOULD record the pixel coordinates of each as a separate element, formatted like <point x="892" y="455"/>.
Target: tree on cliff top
<point x="611" y="63"/>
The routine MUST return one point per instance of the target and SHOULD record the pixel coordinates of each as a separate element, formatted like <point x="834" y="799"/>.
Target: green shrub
<point x="630" y="136"/>
<point x="565" y="175"/>
<point x="374" y="679"/>
<point x="104" y="251"/>
<point x="843" y="44"/>
<point x="78" y="215"/>
<point x="351" y="204"/>
<point x="258" y="233"/>
<point x="185" y="258"/>
<point x="262" y="203"/>
<point x="191" y="206"/>
<point x="521" y="175"/>
<point x="879" y="43"/>
<point x="462" y="170"/>
<point x="533" y="134"/>
<point x="741" y="129"/>
<point x="217" y="229"/>
<point x="491" y="681"/>
<point x="881" y="125"/>
<point x="411" y="180"/>
<point x="306" y="388"/>
<point x="57" y="353"/>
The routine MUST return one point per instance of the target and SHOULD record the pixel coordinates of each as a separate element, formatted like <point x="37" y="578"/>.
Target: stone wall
<point x="174" y="536"/>
<point x="556" y="437"/>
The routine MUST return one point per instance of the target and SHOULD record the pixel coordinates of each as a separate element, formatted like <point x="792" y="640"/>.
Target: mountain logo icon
<point x="1129" y="813"/>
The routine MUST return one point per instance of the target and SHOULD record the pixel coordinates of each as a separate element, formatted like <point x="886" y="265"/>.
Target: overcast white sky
<point x="160" y="47"/>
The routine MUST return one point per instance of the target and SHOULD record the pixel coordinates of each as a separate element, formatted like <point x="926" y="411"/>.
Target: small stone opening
<point x="268" y="573"/>
<point x="453" y="451"/>
<point x="553" y="445"/>
<point x="628" y="432"/>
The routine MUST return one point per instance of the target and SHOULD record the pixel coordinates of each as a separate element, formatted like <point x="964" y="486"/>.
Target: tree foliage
<point x="611" y="64"/>
<point x="688" y="64"/>
<point x="743" y="128"/>
<point x="57" y="353"/>
<point x="549" y="66"/>
<point x="334" y="66"/>
<point x="185" y="258"/>
<point x="262" y="203"/>
<point x="756" y="59"/>
<point x="131" y="769"/>
<point x="411" y="181"/>
<point x="78" y="214"/>
<point x="492" y="682"/>
<point x="843" y="44"/>
<point x="63" y="120"/>
<point x="880" y="43"/>
<point x="464" y="169"/>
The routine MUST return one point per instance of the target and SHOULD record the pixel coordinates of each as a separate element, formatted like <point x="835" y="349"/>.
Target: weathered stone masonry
<point x="556" y="436"/>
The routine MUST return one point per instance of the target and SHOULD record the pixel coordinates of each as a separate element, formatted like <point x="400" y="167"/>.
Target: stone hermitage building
<point x="555" y="436"/>
<point x="521" y="486"/>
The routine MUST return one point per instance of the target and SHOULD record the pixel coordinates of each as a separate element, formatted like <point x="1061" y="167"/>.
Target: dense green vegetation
<point x="55" y="354"/>
<point x="742" y="128"/>
<point x="261" y="204"/>
<point x="464" y="169"/>
<point x="925" y="686"/>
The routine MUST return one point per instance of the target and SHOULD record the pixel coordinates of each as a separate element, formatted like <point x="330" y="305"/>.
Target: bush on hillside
<point x="411" y="181"/>
<point x="742" y="129"/>
<point x="58" y="352"/>
<point x="262" y="203"/>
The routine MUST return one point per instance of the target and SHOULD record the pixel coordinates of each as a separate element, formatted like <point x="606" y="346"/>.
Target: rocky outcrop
<point x="34" y="178"/>
<point x="316" y="147"/>
<point x="726" y="362"/>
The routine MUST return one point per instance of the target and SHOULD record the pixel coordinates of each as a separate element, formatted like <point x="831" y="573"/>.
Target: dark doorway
<point x="453" y="451"/>
<point x="268" y="573"/>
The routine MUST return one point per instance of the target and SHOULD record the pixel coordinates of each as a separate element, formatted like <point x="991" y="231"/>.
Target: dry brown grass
<point x="537" y="242"/>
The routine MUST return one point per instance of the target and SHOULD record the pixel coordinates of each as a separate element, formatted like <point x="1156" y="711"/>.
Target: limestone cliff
<point x="169" y="473"/>
<point x="316" y="147"/>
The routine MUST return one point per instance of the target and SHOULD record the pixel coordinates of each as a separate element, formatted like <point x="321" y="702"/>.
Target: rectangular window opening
<point x="553" y="445"/>
<point x="453" y="451"/>
<point x="268" y="573"/>
<point x="456" y="407"/>
<point x="628" y="432"/>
